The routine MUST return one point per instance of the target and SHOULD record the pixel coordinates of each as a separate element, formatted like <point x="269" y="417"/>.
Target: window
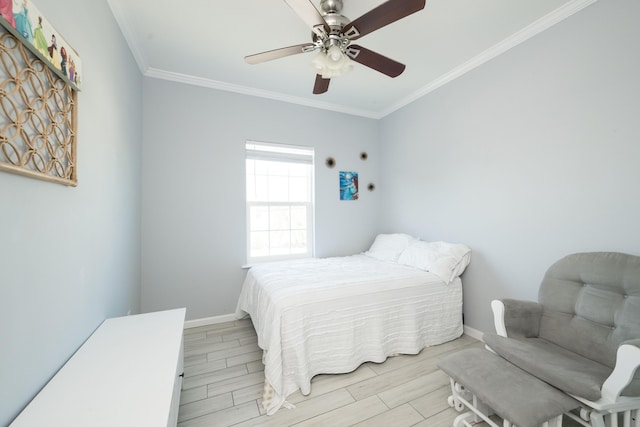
<point x="279" y="201"/>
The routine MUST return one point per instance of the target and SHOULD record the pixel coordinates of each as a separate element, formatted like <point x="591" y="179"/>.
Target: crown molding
<point x="229" y="87"/>
<point x="510" y="42"/>
<point x="129" y="37"/>
<point x="515" y="39"/>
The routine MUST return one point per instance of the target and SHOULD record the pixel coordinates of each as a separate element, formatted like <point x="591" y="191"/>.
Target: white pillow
<point x="388" y="247"/>
<point x="445" y="260"/>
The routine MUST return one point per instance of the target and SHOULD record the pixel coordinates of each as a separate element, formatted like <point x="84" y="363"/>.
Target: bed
<point x="330" y="315"/>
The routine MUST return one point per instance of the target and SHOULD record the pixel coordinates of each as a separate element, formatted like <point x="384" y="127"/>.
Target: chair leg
<point x="604" y="420"/>
<point x="631" y="418"/>
<point x="597" y="420"/>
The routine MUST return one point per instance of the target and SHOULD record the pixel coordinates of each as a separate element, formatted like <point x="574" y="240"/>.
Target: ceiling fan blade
<point x="385" y="14"/>
<point x="375" y="61"/>
<point x="310" y="15"/>
<point x="321" y="85"/>
<point x="279" y="53"/>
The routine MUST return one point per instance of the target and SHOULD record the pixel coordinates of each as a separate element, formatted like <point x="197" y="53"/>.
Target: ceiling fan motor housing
<point x="331" y="6"/>
<point x="335" y="21"/>
<point x="331" y="13"/>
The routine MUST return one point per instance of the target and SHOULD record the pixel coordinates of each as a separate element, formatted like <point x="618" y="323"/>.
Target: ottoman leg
<point x="465" y="420"/>
<point x="461" y="398"/>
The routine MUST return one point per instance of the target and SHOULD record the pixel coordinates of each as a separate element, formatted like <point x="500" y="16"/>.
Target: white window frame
<point x="256" y="150"/>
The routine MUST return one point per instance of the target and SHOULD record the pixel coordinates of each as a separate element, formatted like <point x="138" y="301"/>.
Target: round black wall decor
<point x="330" y="162"/>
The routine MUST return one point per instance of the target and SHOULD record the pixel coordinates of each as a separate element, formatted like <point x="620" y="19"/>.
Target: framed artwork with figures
<point x="23" y="18"/>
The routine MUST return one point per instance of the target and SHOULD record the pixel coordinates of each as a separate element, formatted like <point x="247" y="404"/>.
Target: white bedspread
<point x="330" y="315"/>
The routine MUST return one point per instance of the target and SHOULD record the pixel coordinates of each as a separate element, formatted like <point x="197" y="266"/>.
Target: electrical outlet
<point x="129" y="312"/>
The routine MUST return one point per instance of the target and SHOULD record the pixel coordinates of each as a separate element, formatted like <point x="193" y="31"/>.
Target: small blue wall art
<point x="348" y="185"/>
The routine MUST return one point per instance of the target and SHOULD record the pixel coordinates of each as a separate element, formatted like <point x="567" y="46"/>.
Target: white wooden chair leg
<point x="611" y="420"/>
<point x="597" y="420"/>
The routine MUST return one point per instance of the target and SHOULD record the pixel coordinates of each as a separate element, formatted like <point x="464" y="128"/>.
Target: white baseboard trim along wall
<point x="468" y="330"/>
<point x="209" y="321"/>
<point x="472" y="332"/>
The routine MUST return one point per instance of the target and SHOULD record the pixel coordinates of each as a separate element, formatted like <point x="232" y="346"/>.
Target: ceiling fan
<point x="332" y="34"/>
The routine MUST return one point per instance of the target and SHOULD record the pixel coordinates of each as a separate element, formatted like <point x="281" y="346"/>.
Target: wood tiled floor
<point x="224" y="377"/>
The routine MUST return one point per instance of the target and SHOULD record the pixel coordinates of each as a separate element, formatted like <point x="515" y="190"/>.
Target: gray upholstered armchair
<point x="582" y="336"/>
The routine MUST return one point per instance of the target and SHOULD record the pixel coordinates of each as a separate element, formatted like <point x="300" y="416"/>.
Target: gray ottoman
<point x="512" y="393"/>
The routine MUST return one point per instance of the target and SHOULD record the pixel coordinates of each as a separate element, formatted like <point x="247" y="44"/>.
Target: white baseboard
<point x="467" y="330"/>
<point x="209" y="321"/>
<point x="472" y="332"/>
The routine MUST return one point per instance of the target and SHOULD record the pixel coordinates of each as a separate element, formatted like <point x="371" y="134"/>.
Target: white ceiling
<point x="204" y="42"/>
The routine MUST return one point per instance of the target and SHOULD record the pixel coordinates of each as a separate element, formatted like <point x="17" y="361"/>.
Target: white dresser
<point x="128" y="373"/>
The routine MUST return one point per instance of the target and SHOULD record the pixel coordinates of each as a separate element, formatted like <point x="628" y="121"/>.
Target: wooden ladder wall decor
<point x="38" y="115"/>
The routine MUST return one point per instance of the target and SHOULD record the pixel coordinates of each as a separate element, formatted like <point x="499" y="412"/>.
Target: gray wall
<point x="531" y="156"/>
<point x="193" y="209"/>
<point x="70" y="257"/>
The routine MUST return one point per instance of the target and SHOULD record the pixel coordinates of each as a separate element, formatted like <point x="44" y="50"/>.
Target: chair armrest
<point x="516" y="317"/>
<point x="627" y="361"/>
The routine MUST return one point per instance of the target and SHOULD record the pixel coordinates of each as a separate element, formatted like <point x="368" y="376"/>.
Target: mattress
<point x="330" y="315"/>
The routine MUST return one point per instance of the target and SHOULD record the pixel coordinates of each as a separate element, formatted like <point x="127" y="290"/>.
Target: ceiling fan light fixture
<point x="334" y="54"/>
<point x="331" y="63"/>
